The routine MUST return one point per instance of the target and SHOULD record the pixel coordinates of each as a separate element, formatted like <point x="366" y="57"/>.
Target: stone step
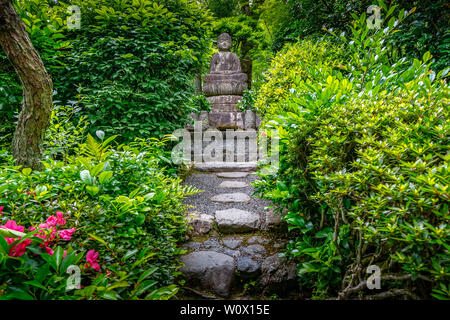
<point x="233" y="184"/>
<point x="225" y="166"/>
<point x="236" y="220"/>
<point x="232" y="175"/>
<point x="211" y="270"/>
<point x="231" y="197"/>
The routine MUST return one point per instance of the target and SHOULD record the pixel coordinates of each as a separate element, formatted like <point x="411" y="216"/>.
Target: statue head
<point x="224" y="42"/>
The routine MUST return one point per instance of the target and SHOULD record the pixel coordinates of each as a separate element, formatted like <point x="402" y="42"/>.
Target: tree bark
<point x="246" y="61"/>
<point x="37" y="88"/>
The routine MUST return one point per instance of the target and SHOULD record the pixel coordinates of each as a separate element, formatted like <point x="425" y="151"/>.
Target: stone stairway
<point x="233" y="242"/>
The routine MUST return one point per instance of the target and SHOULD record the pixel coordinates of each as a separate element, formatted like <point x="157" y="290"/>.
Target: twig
<point x="392" y="293"/>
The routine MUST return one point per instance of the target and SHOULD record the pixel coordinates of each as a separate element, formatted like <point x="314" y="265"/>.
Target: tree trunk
<point x="37" y="88"/>
<point x="246" y="61"/>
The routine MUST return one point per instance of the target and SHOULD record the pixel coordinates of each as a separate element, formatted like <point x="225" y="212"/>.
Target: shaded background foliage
<point x="426" y="30"/>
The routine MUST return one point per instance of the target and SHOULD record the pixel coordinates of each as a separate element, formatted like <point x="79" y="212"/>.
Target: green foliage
<point x="364" y="167"/>
<point x="133" y="63"/>
<point x="36" y="274"/>
<point x="130" y="67"/>
<point x="44" y="24"/>
<point x="223" y="8"/>
<point x="122" y="201"/>
<point x="292" y="64"/>
<point x="426" y="31"/>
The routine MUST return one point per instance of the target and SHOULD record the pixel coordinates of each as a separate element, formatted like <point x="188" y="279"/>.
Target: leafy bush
<point x="123" y="204"/>
<point x="364" y="169"/>
<point x="288" y="66"/>
<point x="427" y="30"/>
<point x="133" y="64"/>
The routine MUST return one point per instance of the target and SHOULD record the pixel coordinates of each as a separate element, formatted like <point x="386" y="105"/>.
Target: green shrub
<point x="123" y="203"/>
<point x="364" y="170"/>
<point x="132" y="65"/>
<point x="288" y="66"/>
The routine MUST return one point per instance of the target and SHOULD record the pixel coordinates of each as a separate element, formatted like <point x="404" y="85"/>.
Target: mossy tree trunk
<point x="37" y="88"/>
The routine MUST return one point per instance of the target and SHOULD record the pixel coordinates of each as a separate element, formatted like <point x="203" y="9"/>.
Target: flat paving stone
<point x="232" y="242"/>
<point x="254" y="250"/>
<point x="233" y="184"/>
<point x="235" y="220"/>
<point x="231" y="197"/>
<point x="209" y="184"/>
<point x="209" y="270"/>
<point x="257" y="239"/>
<point x="232" y="175"/>
<point x="247" y="266"/>
<point x="200" y="223"/>
<point x="225" y="166"/>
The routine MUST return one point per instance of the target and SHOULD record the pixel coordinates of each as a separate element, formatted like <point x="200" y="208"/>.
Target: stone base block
<point x="228" y="99"/>
<point x="216" y="88"/>
<point x="224" y="107"/>
<point x="226" y="120"/>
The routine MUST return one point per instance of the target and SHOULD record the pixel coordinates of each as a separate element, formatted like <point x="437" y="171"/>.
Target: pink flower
<point x="49" y="251"/>
<point x="66" y="234"/>
<point x="12" y="225"/>
<point x="1" y="210"/>
<point x="18" y="249"/>
<point x="55" y="220"/>
<point x="52" y="221"/>
<point x="91" y="259"/>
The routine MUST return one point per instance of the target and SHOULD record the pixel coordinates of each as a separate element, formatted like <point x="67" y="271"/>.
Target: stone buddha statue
<point x="226" y="82"/>
<point x="225" y="62"/>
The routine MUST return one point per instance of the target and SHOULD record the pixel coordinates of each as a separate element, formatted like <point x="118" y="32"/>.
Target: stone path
<point x="233" y="240"/>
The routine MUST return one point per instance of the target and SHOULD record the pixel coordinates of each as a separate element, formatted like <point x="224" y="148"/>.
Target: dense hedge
<point x="364" y="172"/>
<point x="427" y="30"/>
<point x="289" y="65"/>
<point x="130" y="67"/>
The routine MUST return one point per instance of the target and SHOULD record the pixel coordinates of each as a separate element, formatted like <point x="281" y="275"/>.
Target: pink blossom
<point x="1" y="210"/>
<point x="58" y="219"/>
<point x="49" y="251"/>
<point x="12" y="225"/>
<point x="52" y="221"/>
<point x="91" y="259"/>
<point x="66" y="234"/>
<point x="18" y="249"/>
